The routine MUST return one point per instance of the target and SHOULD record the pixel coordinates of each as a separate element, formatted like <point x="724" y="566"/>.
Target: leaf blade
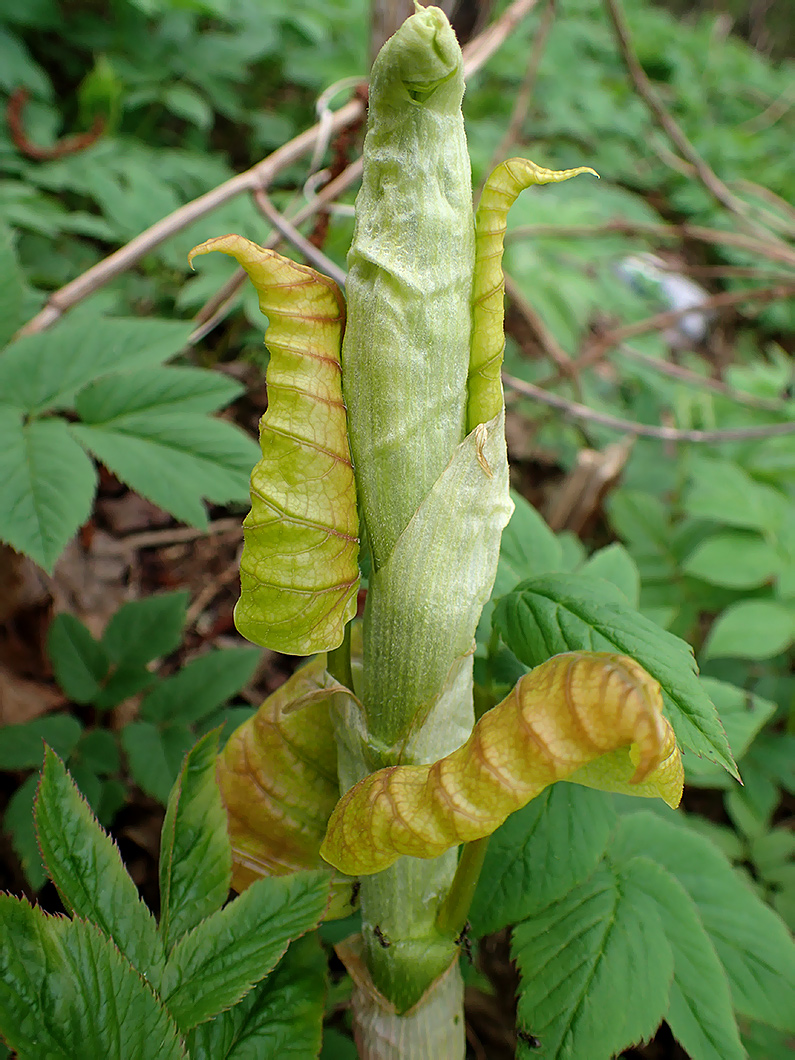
<point x="49" y="485"/>
<point x="195" y="856"/>
<point x="223" y="957"/>
<point x="557" y="613"/>
<point x="86" y="867"/>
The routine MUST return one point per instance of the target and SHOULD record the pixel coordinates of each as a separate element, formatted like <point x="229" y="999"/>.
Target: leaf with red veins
<point x="590" y="717"/>
<point x="299" y="572"/>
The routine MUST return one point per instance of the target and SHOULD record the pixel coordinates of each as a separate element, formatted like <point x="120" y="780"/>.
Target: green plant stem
<point x="454" y="910"/>
<point x="406" y="952"/>
<point x="339" y="661"/>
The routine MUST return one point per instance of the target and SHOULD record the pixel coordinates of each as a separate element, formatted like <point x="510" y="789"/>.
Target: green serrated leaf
<point x="734" y="559"/>
<point x="145" y="629"/>
<point x="281" y="1017"/>
<point x="174" y="459"/>
<point x="742" y="715"/>
<point x="11" y="292"/>
<point x="66" y="991"/>
<point x="195" y="855"/>
<point x="150" y="768"/>
<point x="45" y="371"/>
<point x="79" y="662"/>
<point x="751" y="629"/>
<point x="700" y="1010"/>
<point x="48" y="485"/>
<point x="86" y="867"/>
<point x="540" y="853"/>
<point x="558" y="613"/>
<point x="753" y="945"/>
<point x="571" y="955"/>
<point x="167" y="389"/>
<point x="615" y="565"/>
<point x="18" y="823"/>
<point x="98" y="750"/>
<point x="22" y="746"/>
<point x="202" y="685"/>
<point x="219" y="961"/>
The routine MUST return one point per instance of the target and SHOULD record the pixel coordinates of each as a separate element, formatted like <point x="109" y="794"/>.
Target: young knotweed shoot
<point x="420" y="375"/>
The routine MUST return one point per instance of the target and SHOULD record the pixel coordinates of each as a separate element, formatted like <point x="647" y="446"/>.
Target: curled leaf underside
<point x="299" y="572"/>
<point x="278" y="781"/>
<point x="488" y="310"/>
<point x="572" y="710"/>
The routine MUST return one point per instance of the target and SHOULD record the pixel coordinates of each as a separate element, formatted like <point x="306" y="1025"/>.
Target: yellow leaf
<point x="488" y="311"/>
<point x="575" y="709"/>
<point x="278" y="781"/>
<point x="299" y="573"/>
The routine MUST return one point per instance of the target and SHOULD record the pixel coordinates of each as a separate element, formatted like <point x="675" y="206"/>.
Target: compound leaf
<point x="195" y="859"/>
<point x="78" y="661"/>
<point x="571" y="955"/>
<point x="753" y="944"/>
<point x="281" y="1017"/>
<point x="173" y="458"/>
<point x="143" y="630"/>
<point x="48" y="485"/>
<point x="200" y="686"/>
<point x="219" y="961"/>
<point x="86" y="867"/>
<point x="66" y="991"/>
<point x="700" y="1011"/>
<point x="46" y="370"/>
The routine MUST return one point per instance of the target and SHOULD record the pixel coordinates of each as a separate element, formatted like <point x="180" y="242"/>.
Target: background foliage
<point x="121" y="395"/>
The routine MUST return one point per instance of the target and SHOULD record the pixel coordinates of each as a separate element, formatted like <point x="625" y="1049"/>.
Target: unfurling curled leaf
<point x="559" y="723"/>
<point x="278" y="781"/>
<point x="299" y="573"/>
<point x="488" y="311"/>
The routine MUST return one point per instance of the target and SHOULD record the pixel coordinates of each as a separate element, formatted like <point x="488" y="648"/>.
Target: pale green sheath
<point x="406" y="348"/>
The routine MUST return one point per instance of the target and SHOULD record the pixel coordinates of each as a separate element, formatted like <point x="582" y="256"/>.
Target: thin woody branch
<point x="644" y="430"/>
<point x="260" y="176"/>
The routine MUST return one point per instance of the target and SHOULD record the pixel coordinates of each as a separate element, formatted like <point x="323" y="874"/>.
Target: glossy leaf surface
<point x="278" y="780"/>
<point x="559" y="719"/>
<point x="299" y="573"/>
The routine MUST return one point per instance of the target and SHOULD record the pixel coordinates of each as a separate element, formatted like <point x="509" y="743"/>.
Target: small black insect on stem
<point x="464" y="940"/>
<point x="382" y="939"/>
<point x="529" y="1039"/>
<point x="357" y="886"/>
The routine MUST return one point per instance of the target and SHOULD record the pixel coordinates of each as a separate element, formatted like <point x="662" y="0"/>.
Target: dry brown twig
<point x="524" y="95"/>
<point x="771" y="251"/>
<point x="288" y="231"/>
<point x="644" y="430"/>
<point x="708" y="177"/>
<point x="658" y="321"/>
<point x="260" y="176"/>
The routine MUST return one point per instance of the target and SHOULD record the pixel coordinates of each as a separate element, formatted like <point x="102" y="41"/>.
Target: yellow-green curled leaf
<point x="488" y="310"/>
<point x="299" y="572"/>
<point x="278" y="781"/>
<point x="570" y="711"/>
